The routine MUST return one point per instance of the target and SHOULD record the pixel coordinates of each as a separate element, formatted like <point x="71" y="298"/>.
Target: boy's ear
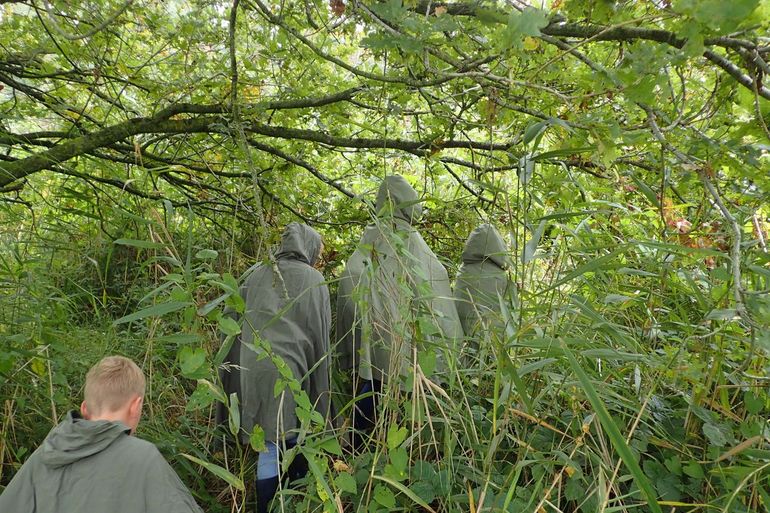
<point x="84" y="410"/>
<point x="135" y="406"/>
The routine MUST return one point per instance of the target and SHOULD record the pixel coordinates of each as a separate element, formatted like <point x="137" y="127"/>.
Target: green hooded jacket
<point x="482" y="279"/>
<point x="392" y="283"/>
<point x="287" y="306"/>
<point x="96" y="466"/>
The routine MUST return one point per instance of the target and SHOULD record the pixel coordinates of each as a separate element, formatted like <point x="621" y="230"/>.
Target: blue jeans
<point x="268" y="470"/>
<point x="268" y="462"/>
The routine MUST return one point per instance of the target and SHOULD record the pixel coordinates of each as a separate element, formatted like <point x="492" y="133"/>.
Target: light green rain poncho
<point x="393" y="284"/>
<point x="482" y="280"/>
<point x="96" y="466"/>
<point x="287" y="306"/>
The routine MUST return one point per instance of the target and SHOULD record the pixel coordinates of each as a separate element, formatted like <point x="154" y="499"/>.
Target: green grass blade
<point x="613" y="432"/>
<point x="406" y="491"/>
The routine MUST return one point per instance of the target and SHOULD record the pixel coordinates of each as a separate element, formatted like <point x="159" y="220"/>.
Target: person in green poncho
<point x="392" y="284"/>
<point x="482" y="280"/>
<point x="287" y="308"/>
<point x="90" y="462"/>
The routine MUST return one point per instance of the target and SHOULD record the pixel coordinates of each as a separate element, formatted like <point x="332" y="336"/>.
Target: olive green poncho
<point x="96" y="466"/>
<point x="482" y="279"/>
<point x="392" y="285"/>
<point x="287" y="306"/>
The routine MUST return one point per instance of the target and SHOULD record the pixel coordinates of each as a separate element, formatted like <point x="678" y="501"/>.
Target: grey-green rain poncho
<point x="90" y="466"/>
<point x="287" y="306"/>
<point x="393" y="284"/>
<point x="482" y="279"/>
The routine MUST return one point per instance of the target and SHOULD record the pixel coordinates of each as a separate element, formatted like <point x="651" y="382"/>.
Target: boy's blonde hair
<point x="111" y="383"/>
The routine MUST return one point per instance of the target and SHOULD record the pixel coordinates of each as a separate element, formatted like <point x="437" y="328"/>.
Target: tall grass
<point x="617" y="380"/>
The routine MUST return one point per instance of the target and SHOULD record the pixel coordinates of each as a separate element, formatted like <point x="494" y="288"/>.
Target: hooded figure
<point x="287" y="308"/>
<point x="393" y="284"/>
<point x="86" y="465"/>
<point x="287" y="305"/>
<point x="482" y="279"/>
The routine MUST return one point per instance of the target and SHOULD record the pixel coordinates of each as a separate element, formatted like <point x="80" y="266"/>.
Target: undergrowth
<point x="620" y="378"/>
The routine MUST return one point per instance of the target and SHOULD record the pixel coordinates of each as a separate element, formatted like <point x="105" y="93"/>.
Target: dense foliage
<point x="151" y="151"/>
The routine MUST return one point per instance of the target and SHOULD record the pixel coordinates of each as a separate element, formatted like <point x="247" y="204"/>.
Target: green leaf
<point x="218" y="471"/>
<point x="522" y="24"/>
<point x="424" y="490"/>
<point x="530" y="248"/>
<point x="206" y="254"/>
<point x="229" y="326"/>
<point x="406" y="491"/>
<point x="533" y="131"/>
<point x="143" y="244"/>
<point x="201" y="398"/>
<point x="331" y="445"/>
<point x="346" y="483"/>
<point x="722" y="315"/>
<point x="396" y="436"/>
<point x="154" y="311"/>
<point x="227" y="344"/>
<point x="396" y="469"/>
<point x="617" y="439"/>
<point x="718" y="15"/>
<point x="192" y="362"/>
<point x="234" y="419"/>
<point x="715" y="435"/>
<point x="384" y="497"/>
<point x="754" y="403"/>
<point x="694" y="469"/>
<point x="427" y="361"/>
<point x="216" y="391"/>
<point x="257" y="438"/>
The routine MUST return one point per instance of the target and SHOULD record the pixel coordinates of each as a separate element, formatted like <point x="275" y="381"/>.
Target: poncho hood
<point x="300" y="242"/>
<point x="77" y="438"/>
<point x="485" y="243"/>
<point x="397" y="196"/>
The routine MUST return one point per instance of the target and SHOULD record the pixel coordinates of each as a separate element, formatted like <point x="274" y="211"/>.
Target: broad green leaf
<point x="528" y="22"/>
<point x="694" y="469"/>
<point x="346" y="483"/>
<point x="143" y="244"/>
<point x="399" y="460"/>
<point x="331" y="445"/>
<point x="384" y="496"/>
<point x="229" y="326"/>
<point x="206" y="254"/>
<point x="201" y="398"/>
<point x="192" y="362"/>
<point x="218" y="471"/>
<point x="396" y="436"/>
<point x="715" y="435"/>
<point x="257" y="438"/>
<point x="154" y="311"/>
<point x="216" y="391"/>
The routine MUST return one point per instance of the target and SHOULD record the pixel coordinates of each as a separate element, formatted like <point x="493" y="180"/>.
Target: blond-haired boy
<point x="90" y="462"/>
